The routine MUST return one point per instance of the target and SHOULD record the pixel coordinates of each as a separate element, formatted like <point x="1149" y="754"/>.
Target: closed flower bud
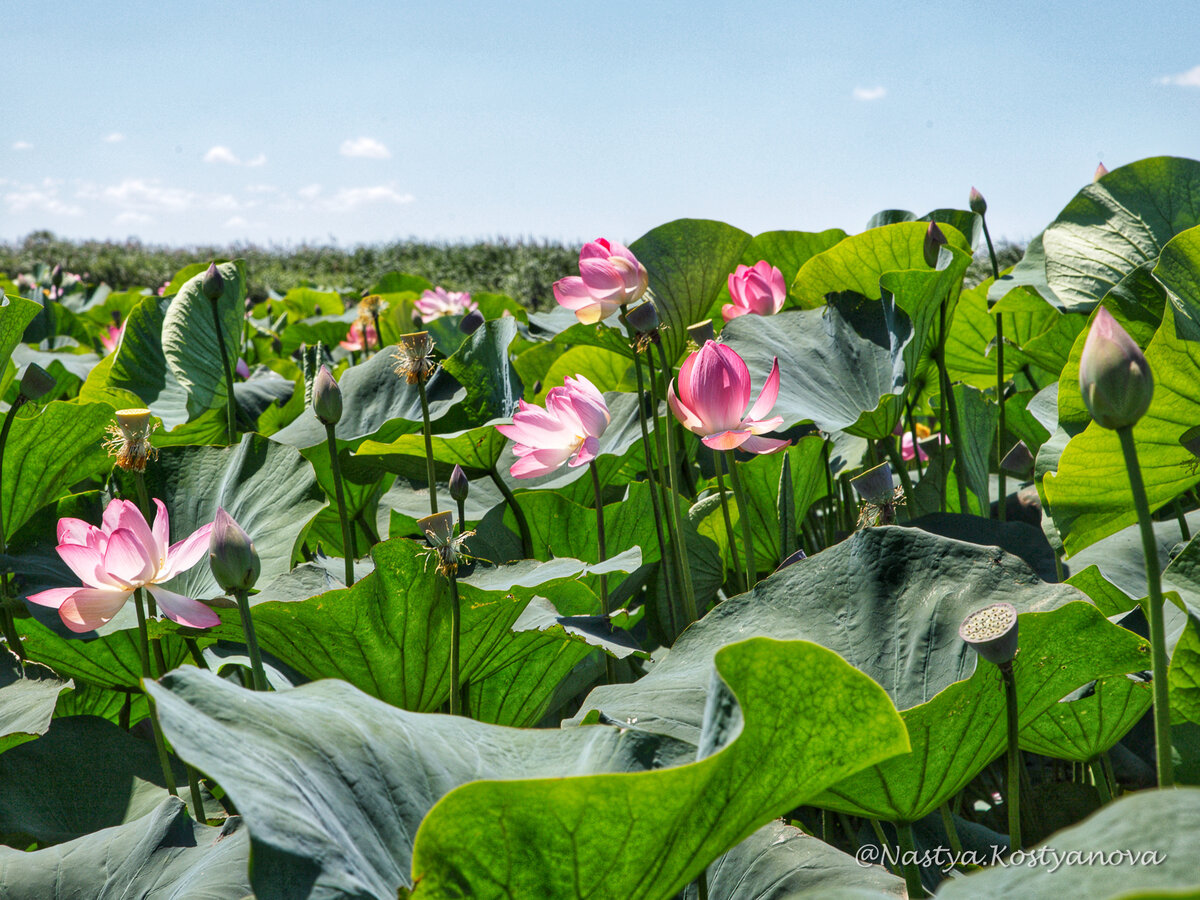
<point x="934" y="241"/>
<point x="992" y="633"/>
<point x="459" y="486"/>
<point x="36" y="383"/>
<point x="470" y="323"/>
<point x="1114" y="376"/>
<point x="231" y="555"/>
<point x="326" y="397"/>
<point x="643" y="318"/>
<point x="56" y="275"/>
<point x="213" y="285"/>
<point x="978" y="204"/>
<point x="1101" y="171"/>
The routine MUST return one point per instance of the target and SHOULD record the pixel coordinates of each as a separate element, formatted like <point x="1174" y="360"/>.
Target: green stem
<point x="462" y="515"/>
<point x="256" y="666"/>
<point x="999" y="375"/>
<point x="950" y="405"/>
<point x="908" y="859"/>
<point x="702" y="885"/>
<point x="900" y="468"/>
<point x="744" y="515"/>
<point x="689" y="596"/>
<point x="455" y="636"/>
<point x="160" y="743"/>
<point x="1100" y="779"/>
<point x="518" y="513"/>
<point x="10" y="626"/>
<point x="598" y="500"/>
<point x="1110" y="777"/>
<point x="912" y="429"/>
<point x="1154" y="612"/>
<point x="651" y="481"/>
<point x="848" y="831"/>
<point x="951" y="830"/>
<point x="1012" y="781"/>
<point x="1183" y="525"/>
<point x="880" y="836"/>
<point x="719" y="459"/>
<point x="429" y="474"/>
<point x="197" y="799"/>
<point x="230" y="403"/>
<point x="831" y="498"/>
<point x="349" y="553"/>
<point x="675" y="562"/>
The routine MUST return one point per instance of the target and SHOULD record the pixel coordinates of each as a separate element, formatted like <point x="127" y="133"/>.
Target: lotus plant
<point x="440" y="302"/>
<point x="757" y="289"/>
<point x="610" y="277"/>
<point x="360" y="337"/>
<point x="714" y="393"/>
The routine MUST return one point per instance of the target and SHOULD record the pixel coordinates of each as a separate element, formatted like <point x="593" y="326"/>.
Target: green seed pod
<point x="992" y="632"/>
<point x="36" y="383"/>
<point x="643" y="318"/>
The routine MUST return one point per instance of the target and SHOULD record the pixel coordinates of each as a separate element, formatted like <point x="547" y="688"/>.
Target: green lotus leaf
<point x="28" y="694"/>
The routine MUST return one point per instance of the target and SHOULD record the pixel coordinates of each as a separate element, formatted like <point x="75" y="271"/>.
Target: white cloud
<point x="132" y="218"/>
<point x="348" y="199"/>
<point x="221" y="154"/>
<point x="149" y="196"/>
<point x="260" y="160"/>
<point x="364" y="148"/>
<point x="1190" y="78"/>
<point x="22" y="145"/>
<point x="874" y="93"/>
<point x="115" y="138"/>
<point x="30" y="198"/>
<point x="310" y="192"/>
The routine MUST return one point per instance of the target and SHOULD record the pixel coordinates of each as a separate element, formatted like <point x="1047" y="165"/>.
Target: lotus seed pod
<point x="977" y="203"/>
<point x="701" y="332"/>
<point x="231" y="555"/>
<point x="438" y="528"/>
<point x="213" y="285"/>
<point x="414" y="357"/>
<point x="875" y="485"/>
<point x="643" y="318"/>
<point x="129" y="439"/>
<point x="36" y="383"/>
<point x="992" y="632"/>
<point x="1114" y="377"/>
<point x="459" y="485"/>
<point x="56" y="275"/>
<point x="1101" y="171"/>
<point x="1018" y="460"/>
<point x="326" y="397"/>
<point x="934" y="241"/>
<point x="470" y="323"/>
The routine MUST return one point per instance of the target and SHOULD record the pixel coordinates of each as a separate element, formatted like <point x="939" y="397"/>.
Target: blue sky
<point x="372" y="121"/>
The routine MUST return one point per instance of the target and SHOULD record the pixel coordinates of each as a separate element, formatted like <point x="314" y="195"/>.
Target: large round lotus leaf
<point x="28" y="695"/>
<point x="1118" y="223"/>
<point x="162" y="854"/>
<point x="787" y="719"/>
<point x="340" y="781"/>
<point x="890" y="601"/>
<point x="1143" y="846"/>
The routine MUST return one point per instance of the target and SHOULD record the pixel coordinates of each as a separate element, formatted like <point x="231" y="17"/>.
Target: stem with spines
<point x="349" y="552"/>
<point x="610" y="669"/>
<point x="744" y="515"/>
<point x="428" y="431"/>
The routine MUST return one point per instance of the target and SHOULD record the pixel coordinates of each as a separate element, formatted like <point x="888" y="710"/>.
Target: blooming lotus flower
<point x="759" y="290"/>
<point x="923" y="432"/>
<point x="714" y="391"/>
<point x="125" y="554"/>
<point x="567" y="431"/>
<point x="441" y="302"/>
<point x="610" y="276"/>
<point x="110" y="340"/>
<point x="360" y="339"/>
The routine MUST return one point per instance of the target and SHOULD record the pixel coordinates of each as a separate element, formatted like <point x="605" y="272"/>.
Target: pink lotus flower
<point x="242" y="369"/>
<point x="906" y="444"/>
<point x="355" y="340"/>
<point x="110" y="340"/>
<point x="441" y="302"/>
<point x="714" y="390"/>
<point x="118" y="558"/>
<point x="759" y="290"/>
<point x="609" y="277"/>
<point x="568" y="429"/>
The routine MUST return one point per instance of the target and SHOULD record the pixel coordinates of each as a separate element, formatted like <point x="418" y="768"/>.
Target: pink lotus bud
<point x="1101" y="171"/>
<point x="610" y="277"/>
<point x="326" y="397"/>
<point x="231" y="554"/>
<point x="760" y="290"/>
<point x="934" y="241"/>
<point x="1114" y="378"/>
<point x="213" y="285"/>
<point x="459" y="485"/>
<point x="977" y="203"/>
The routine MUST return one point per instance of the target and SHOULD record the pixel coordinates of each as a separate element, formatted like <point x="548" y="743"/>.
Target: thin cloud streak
<point x="1190" y="78"/>
<point x="868" y="94"/>
<point x="364" y="148"/>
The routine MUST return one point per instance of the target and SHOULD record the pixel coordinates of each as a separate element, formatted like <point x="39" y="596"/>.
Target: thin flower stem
<point x="1184" y="531"/>
<point x="951" y="830"/>
<point x="719" y="459"/>
<point x="197" y="798"/>
<point x="598" y="499"/>
<point x="10" y="625"/>
<point x="256" y="665"/>
<point x="378" y="334"/>
<point x="1154" y="612"/>
<point x="744" y="516"/>
<point x="349" y="552"/>
<point x="160" y="743"/>
<point x="950" y="405"/>
<point x="430" y="477"/>
<point x="1000" y="379"/>
<point x="848" y="831"/>
<point x="230" y="402"/>
<point x="831" y="498"/>
<point x="883" y="842"/>
<point x="908" y="857"/>
<point x="651" y="481"/>
<point x="689" y="596"/>
<point x="1100" y="779"/>
<point x="1012" y="778"/>
<point x="675" y="562"/>
<point x="456" y="704"/>
<point x="518" y="513"/>
<point x="912" y="429"/>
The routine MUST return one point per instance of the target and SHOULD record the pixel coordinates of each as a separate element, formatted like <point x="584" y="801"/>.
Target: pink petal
<point x="184" y="610"/>
<point x="588" y="450"/>
<point x="539" y="462"/>
<point x="74" y="531"/>
<point x="720" y="387"/>
<point x="604" y="280"/>
<point x="571" y="293"/>
<point x="162" y="531"/>
<point x="685" y="379"/>
<point x="112" y="513"/>
<point x="88" y="565"/>
<point x="55" y="597"/>
<point x="597" y="311"/>
<point x="600" y="248"/>
<point x="768" y="395"/>
<point x="762" y="426"/>
<point x="184" y="554"/>
<point x="756" y="444"/>
<point x="89" y="608"/>
<point x="725" y="440"/>
<point x="127" y="560"/>
<point x="689" y="419"/>
<point x="729" y="312"/>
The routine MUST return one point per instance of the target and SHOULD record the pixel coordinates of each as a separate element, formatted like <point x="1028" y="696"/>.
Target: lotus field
<point x="756" y="566"/>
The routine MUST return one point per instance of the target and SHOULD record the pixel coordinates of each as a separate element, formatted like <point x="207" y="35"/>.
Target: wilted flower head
<point x="440" y="302"/>
<point x="879" y="495"/>
<point x="759" y="290"/>
<point x="568" y="430"/>
<point x="129" y="439"/>
<point x="610" y="277"/>
<point x="125" y="554"/>
<point x="714" y="391"/>
<point x="414" y="357"/>
<point x="362" y="336"/>
<point x="1114" y="377"/>
<point x="700" y="333"/>
<point x="370" y="306"/>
